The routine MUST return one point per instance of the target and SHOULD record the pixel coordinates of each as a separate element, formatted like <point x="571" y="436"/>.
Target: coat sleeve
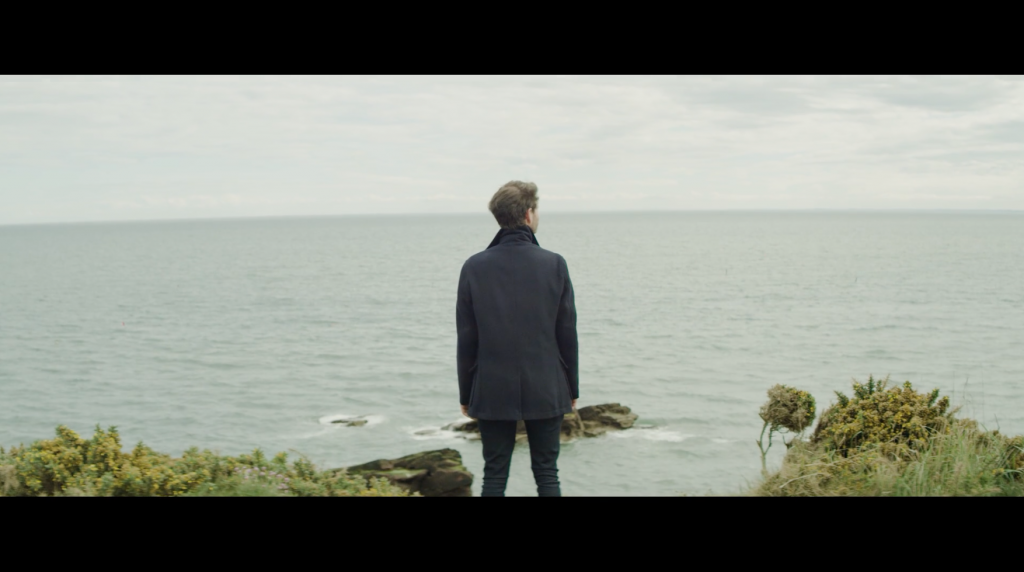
<point x="465" y="324"/>
<point x="565" y="334"/>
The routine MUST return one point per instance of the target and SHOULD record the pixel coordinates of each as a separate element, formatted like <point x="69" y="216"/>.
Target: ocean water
<point x="237" y="334"/>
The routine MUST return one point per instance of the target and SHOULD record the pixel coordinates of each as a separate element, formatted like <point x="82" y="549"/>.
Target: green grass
<point x="966" y="461"/>
<point x="237" y="487"/>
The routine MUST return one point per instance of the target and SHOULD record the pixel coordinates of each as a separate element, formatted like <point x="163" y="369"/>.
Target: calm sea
<point x="236" y="334"/>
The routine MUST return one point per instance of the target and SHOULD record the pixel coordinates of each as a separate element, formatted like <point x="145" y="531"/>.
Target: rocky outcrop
<point x="432" y="473"/>
<point x="610" y="416"/>
<point x="589" y="421"/>
<point x="351" y="421"/>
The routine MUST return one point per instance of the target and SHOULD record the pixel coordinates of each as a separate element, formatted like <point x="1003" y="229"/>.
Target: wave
<point x="652" y="434"/>
<point x="433" y="433"/>
<point x="424" y="433"/>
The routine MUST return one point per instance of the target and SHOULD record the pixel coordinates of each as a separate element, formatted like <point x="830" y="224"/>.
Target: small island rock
<point x="589" y="421"/>
<point x="350" y="422"/>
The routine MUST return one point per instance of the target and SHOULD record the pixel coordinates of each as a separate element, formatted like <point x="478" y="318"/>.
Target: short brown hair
<point x="510" y="203"/>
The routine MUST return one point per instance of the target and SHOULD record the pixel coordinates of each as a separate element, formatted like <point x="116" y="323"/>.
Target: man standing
<point x="517" y="349"/>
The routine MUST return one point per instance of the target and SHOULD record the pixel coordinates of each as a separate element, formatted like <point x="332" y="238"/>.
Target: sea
<point x="237" y="334"/>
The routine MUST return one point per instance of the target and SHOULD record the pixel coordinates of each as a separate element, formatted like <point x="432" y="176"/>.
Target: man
<point x="517" y="349"/>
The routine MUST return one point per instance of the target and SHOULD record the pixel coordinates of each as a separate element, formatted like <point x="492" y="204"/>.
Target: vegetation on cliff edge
<point x="72" y="466"/>
<point x="893" y="441"/>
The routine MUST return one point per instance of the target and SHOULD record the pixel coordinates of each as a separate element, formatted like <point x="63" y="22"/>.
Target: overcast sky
<point x="135" y="148"/>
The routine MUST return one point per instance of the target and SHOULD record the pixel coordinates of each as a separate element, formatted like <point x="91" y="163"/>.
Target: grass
<point x="960" y="460"/>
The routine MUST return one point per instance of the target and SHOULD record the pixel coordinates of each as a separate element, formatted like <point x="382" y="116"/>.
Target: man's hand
<point x="574" y="405"/>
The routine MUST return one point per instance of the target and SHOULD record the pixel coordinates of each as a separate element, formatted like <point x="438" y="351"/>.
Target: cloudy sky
<point x="137" y="148"/>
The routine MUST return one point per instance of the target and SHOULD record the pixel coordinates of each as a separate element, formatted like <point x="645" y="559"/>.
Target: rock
<point x="437" y="473"/>
<point x="589" y="421"/>
<point x="471" y="426"/>
<point x="352" y="422"/>
<point x="600" y="418"/>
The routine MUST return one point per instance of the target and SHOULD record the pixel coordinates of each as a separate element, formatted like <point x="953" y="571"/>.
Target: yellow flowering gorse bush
<point x="898" y="417"/>
<point x="71" y="465"/>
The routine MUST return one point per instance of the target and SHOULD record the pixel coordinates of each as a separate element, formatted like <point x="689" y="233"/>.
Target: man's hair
<point x="510" y="203"/>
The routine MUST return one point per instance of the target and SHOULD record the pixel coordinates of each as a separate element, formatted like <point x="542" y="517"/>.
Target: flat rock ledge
<point x="351" y="421"/>
<point x="437" y="473"/>
<point x="589" y="421"/>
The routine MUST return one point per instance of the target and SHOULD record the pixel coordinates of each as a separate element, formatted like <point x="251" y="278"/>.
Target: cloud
<point x="102" y="148"/>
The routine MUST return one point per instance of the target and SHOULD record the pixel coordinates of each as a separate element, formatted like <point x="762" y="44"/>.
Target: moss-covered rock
<point x="437" y="473"/>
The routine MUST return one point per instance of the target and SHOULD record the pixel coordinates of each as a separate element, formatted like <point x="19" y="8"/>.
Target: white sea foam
<point x="653" y="434"/>
<point x="319" y="433"/>
<point x="429" y="433"/>
<point x="433" y="433"/>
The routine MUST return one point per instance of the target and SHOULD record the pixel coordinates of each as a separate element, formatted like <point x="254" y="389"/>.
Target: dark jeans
<point x="499" y="438"/>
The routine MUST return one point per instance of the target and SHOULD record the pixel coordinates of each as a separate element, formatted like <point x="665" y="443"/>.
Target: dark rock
<point x="608" y="416"/>
<point x="353" y="422"/>
<point x="589" y="421"/>
<point x="471" y="426"/>
<point x="432" y="473"/>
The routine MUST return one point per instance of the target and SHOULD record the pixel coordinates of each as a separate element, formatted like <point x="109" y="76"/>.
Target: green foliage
<point x="963" y="461"/>
<point x="787" y="408"/>
<point x="71" y="466"/>
<point x="9" y="484"/>
<point x="897" y="417"/>
<point x="894" y="441"/>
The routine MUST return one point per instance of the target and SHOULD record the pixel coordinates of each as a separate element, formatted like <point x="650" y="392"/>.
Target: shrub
<point x="963" y="461"/>
<point x="787" y="408"/>
<point x="70" y="465"/>
<point x="898" y="417"/>
<point x="895" y="441"/>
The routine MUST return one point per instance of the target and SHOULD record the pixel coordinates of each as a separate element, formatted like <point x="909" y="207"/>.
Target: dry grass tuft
<point x="9" y="485"/>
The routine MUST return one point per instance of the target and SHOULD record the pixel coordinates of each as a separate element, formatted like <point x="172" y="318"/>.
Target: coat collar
<point x="521" y="233"/>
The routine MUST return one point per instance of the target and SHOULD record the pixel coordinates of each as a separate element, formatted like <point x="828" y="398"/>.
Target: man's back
<point x="517" y="352"/>
<point x="516" y="321"/>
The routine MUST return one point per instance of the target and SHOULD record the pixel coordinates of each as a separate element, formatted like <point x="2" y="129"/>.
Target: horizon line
<point x="573" y="212"/>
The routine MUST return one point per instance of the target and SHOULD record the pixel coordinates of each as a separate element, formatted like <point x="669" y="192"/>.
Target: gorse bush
<point x="878" y="414"/>
<point x="70" y="465"/>
<point x="895" y="441"/>
<point x="787" y="408"/>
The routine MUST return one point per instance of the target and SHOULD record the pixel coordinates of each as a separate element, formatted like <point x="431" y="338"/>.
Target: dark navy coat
<point x="518" y="354"/>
